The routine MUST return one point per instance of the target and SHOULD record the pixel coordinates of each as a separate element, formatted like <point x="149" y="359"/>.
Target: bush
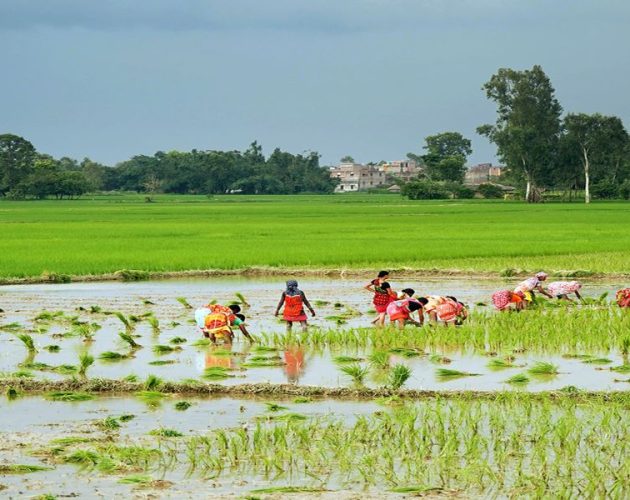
<point x="490" y="191"/>
<point x="425" y="190"/>
<point x="462" y="192"/>
<point x="624" y="190"/>
<point x="605" y="190"/>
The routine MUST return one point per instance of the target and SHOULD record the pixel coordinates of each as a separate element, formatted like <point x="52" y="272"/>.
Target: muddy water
<point x="23" y="303"/>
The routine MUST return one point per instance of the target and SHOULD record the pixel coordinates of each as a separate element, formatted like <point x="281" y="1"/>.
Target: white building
<point x="357" y="177"/>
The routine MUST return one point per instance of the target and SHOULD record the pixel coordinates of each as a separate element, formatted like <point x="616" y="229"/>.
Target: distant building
<point x="404" y="170"/>
<point x="482" y="173"/>
<point x="357" y="177"/>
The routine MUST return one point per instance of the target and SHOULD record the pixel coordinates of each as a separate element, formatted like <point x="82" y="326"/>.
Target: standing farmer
<point x="383" y="295"/>
<point x="294" y="300"/>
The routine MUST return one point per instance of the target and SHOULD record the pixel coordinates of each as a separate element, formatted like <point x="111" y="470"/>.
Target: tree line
<point x="542" y="150"/>
<point x="26" y="173"/>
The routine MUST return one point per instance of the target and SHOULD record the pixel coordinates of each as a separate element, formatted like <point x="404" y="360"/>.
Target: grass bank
<point x="104" y="235"/>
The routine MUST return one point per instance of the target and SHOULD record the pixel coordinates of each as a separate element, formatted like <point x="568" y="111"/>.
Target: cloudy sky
<point x="109" y="79"/>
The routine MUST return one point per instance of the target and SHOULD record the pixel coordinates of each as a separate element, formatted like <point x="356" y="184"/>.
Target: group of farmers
<point x="216" y="321"/>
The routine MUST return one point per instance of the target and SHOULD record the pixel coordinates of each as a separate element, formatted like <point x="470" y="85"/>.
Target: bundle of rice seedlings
<point x="184" y="302"/>
<point x="398" y="375"/>
<point x="27" y="340"/>
<point x="129" y="326"/>
<point x="69" y="396"/>
<point x="138" y="479"/>
<point x="439" y="359"/>
<point x="109" y="424"/>
<point x="182" y="405"/>
<point x="543" y="368"/>
<point x="168" y="433"/>
<point x="302" y="400"/>
<point x="131" y="378"/>
<point x="597" y="361"/>
<point x="178" y="340"/>
<point x="66" y="369"/>
<point x="625" y="368"/>
<point x="21" y="468"/>
<point x="160" y="362"/>
<point x="346" y="359"/>
<point x="126" y="337"/>
<point x="448" y="373"/>
<point x="85" y="361"/>
<point x="498" y="364"/>
<point x="153" y="382"/>
<point x="379" y="359"/>
<point x="165" y="349"/>
<point x="215" y="373"/>
<point x="155" y="324"/>
<point x="113" y="356"/>
<point x="356" y="372"/>
<point x="520" y="378"/>
<point x="275" y="407"/>
<point x="12" y="393"/>
<point x="52" y="348"/>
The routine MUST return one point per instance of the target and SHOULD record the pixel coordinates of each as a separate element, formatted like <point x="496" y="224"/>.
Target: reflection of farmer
<point x="293" y="299"/>
<point x="212" y="360"/>
<point x="294" y="363"/>
<point x="216" y="321"/>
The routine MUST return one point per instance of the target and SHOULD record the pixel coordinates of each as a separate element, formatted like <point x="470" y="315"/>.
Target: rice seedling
<point x="203" y="342"/>
<point x="499" y="364"/>
<point x="127" y="338"/>
<point x="113" y="356"/>
<point x="346" y="359"/>
<point x="22" y="374"/>
<point x="126" y="417"/>
<point x="86" y="330"/>
<point x="446" y="373"/>
<point x="174" y="324"/>
<point x="147" y="302"/>
<point x="302" y="400"/>
<point x="321" y="303"/>
<point x="184" y="302"/>
<point x="49" y="316"/>
<point x="12" y="393"/>
<point x="439" y="359"/>
<point x="597" y="361"/>
<point x="95" y="309"/>
<point x="519" y="378"/>
<point x="407" y="352"/>
<point x="543" y="368"/>
<point x="356" y="372"/>
<point x="27" y="340"/>
<point x="22" y="468"/>
<point x="129" y="326"/>
<point x="153" y="383"/>
<point x="36" y="365"/>
<point x="155" y="324"/>
<point x="69" y="396"/>
<point x="66" y="369"/>
<point x="10" y="327"/>
<point x="52" y="348"/>
<point x="131" y="378"/>
<point x="275" y="407"/>
<point x="85" y="361"/>
<point x="576" y="356"/>
<point x="241" y="299"/>
<point x="109" y="424"/>
<point x="165" y="349"/>
<point x="152" y="398"/>
<point x="182" y="405"/>
<point x="398" y="375"/>
<point x="178" y="340"/>
<point x="379" y="359"/>
<point x="215" y="373"/>
<point x="625" y="368"/>
<point x="137" y="479"/>
<point x="625" y="346"/>
<point x="167" y="433"/>
<point x="288" y="489"/>
<point x="162" y="362"/>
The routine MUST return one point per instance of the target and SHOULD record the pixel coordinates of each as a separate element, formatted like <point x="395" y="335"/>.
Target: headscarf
<point x="292" y="288"/>
<point x="541" y="275"/>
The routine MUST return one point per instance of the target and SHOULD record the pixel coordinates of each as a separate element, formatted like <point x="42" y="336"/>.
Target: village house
<point x="482" y="173"/>
<point x="358" y="177"/>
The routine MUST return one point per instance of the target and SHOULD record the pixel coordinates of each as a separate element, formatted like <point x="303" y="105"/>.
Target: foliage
<point x="488" y="190"/>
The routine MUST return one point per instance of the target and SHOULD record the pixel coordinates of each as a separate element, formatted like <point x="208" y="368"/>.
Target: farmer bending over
<point x="216" y="321"/>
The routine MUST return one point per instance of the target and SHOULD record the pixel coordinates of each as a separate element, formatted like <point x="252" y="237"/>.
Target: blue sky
<point x="369" y="78"/>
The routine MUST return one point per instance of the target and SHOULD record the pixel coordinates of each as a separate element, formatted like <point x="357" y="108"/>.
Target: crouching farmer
<point x="216" y="322"/>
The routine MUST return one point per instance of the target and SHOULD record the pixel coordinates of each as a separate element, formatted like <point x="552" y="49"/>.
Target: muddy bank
<point x="111" y="387"/>
<point x="403" y="273"/>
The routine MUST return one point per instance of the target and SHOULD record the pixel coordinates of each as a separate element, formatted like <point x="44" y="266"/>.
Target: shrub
<point x="490" y="191"/>
<point x="624" y="189"/>
<point x="605" y="190"/>
<point x="425" y="190"/>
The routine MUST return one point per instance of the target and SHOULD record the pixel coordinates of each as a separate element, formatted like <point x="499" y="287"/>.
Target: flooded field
<point x="484" y="409"/>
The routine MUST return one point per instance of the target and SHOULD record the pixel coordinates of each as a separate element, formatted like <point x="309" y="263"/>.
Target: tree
<point x="527" y="128"/>
<point x="16" y="161"/>
<point x="445" y="156"/>
<point x="595" y="136"/>
<point x="347" y="159"/>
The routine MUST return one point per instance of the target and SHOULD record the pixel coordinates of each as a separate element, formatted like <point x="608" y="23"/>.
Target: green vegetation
<point x="101" y="235"/>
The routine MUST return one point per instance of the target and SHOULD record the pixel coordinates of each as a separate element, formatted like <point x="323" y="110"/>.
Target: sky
<point x="368" y="78"/>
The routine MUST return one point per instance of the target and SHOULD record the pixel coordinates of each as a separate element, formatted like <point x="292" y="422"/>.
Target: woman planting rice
<point x="562" y="289"/>
<point x="400" y="311"/>
<point x="623" y="297"/>
<point x="216" y="321"/>
<point x="294" y="300"/>
<point x="383" y="296"/>
<point x="528" y="286"/>
<point x="503" y="299"/>
<point x="451" y="311"/>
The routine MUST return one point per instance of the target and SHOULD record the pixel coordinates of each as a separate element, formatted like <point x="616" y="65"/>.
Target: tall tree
<point x="445" y="157"/>
<point x="597" y="137"/>
<point x="527" y="128"/>
<point x="16" y="161"/>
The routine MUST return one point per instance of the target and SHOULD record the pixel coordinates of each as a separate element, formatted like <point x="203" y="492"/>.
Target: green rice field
<point x="177" y="233"/>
